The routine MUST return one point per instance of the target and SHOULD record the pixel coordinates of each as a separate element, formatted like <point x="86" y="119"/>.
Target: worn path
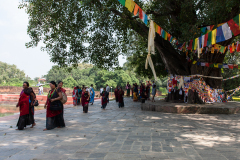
<point x="125" y="133"/>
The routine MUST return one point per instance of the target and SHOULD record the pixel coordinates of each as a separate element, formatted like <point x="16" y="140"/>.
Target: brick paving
<point x="124" y="133"/>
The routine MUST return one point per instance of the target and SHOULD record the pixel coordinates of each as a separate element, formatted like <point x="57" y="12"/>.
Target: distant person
<point x="79" y="95"/>
<point x="148" y="88"/>
<point x="104" y="100"/>
<point x="54" y="107"/>
<point x="132" y="88"/>
<point x="135" y="93"/>
<point x="116" y="93"/>
<point x="26" y="100"/>
<point x="92" y="94"/>
<point x="120" y="98"/>
<point x="75" y="96"/>
<point x="63" y="91"/>
<point x="128" y="87"/>
<point x="153" y="92"/>
<point x="85" y="100"/>
<point x="107" y="90"/>
<point x="101" y="90"/>
<point x="41" y="90"/>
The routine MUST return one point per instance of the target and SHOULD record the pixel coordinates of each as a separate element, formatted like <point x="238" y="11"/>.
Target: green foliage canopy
<point x="10" y="74"/>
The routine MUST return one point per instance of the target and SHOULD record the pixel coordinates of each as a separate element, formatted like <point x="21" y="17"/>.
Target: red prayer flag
<point x="238" y="48"/>
<point x="190" y="45"/>
<point x="235" y="66"/>
<point x="140" y="13"/>
<point x="205" y="40"/>
<point x="234" y="27"/>
<point x="207" y="64"/>
<point x="230" y="66"/>
<point x="231" y="50"/>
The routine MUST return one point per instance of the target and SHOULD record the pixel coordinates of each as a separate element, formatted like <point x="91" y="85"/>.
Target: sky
<point x="13" y="36"/>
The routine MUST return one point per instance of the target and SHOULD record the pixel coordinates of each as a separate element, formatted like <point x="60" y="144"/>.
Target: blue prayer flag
<point x="220" y="36"/>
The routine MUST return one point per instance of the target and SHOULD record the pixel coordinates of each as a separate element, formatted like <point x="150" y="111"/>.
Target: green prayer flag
<point x="222" y="49"/>
<point x="211" y="65"/>
<point x="122" y="2"/>
<point x="236" y="19"/>
<point x="209" y="41"/>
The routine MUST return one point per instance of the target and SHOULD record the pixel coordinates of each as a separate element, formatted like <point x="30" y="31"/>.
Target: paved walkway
<point x="125" y="133"/>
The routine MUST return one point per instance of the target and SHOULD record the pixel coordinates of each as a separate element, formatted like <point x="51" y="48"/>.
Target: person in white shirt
<point x="41" y="90"/>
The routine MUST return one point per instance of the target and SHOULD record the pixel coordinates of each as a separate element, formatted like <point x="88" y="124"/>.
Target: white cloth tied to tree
<point x="181" y="83"/>
<point x="151" y="48"/>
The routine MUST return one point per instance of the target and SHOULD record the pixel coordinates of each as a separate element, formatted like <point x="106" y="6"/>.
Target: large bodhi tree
<point x="98" y="31"/>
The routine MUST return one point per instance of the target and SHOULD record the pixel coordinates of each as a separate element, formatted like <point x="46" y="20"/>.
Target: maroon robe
<point x="24" y="103"/>
<point x="116" y="94"/>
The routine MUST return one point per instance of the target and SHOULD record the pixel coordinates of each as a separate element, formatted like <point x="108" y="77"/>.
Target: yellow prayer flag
<point x="131" y="6"/>
<point x="196" y="43"/>
<point x="214" y="34"/>
<point x="215" y="65"/>
<point x="212" y="50"/>
<point x="136" y="9"/>
<point x="233" y="47"/>
<point x="156" y="27"/>
<point x="128" y="4"/>
<point x="194" y="62"/>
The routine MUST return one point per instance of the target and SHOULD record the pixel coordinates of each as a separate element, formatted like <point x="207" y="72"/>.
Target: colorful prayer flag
<point x="209" y="38"/>
<point x="225" y="66"/>
<point x="145" y="18"/>
<point x="207" y="64"/>
<point x="196" y="43"/>
<point x="235" y="66"/>
<point x="194" y="62"/>
<point x="128" y="4"/>
<point x="140" y="13"/>
<point x="212" y="50"/>
<point x="215" y="65"/>
<point x="159" y="30"/>
<point x="220" y="36"/>
<point x="165" y="35"/>
<point x="203" y="30"/>
<point x="234" y="27"/>
<point x="226" y="31"/>
<point x="205" y="40"/>
<point x="233" y="47"/>
<point x="222" y="49"/>
<point x="230" y="66"/>
<point x="214" y="33"/>
<point x="122" y="2"/>
<point x="136" y="9"/>
<point x="190" y="44"/>
<point x="169" y="37"/>
<point x="200" y="41"/>
<point x="132" y="6"/>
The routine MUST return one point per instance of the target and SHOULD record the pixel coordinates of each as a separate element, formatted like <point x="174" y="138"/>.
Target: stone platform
<point x="183" y="108"/>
